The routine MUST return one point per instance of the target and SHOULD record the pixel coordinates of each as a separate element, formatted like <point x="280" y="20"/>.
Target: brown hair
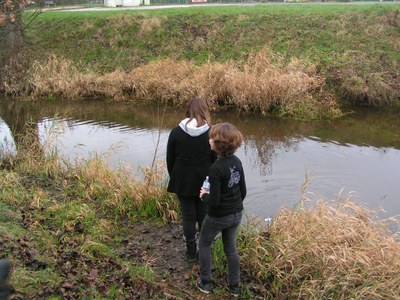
<point x="197" y="108"/>
<point x="226" y="138"/>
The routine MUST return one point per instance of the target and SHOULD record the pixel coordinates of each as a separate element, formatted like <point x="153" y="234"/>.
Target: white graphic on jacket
<point x="235" y="177"/>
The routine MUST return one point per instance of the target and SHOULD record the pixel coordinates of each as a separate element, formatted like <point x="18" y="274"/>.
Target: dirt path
<point x="159" y="247"/>
<point x="83" y="275"/>
<point x="162" y="248"/>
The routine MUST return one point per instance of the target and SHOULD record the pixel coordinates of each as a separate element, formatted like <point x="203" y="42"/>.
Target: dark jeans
<point x="228" y="226"/>
<point x="193" y="211"/>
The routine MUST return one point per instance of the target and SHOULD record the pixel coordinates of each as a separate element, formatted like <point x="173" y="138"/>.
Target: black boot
<point x="5" y="267"/>
<point x="191" y="251"/>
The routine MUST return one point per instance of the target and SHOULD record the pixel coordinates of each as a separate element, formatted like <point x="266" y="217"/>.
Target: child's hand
<point x="202" y="192"/>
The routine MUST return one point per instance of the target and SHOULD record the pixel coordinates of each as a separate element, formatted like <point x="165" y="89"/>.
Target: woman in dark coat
<point x="189" y="157"/>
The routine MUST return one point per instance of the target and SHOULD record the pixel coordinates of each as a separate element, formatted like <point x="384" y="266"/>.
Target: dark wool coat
<point x="188" y="161"/>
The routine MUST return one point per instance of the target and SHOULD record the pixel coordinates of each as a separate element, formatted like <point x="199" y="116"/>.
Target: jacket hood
<point x="191" y="127"/>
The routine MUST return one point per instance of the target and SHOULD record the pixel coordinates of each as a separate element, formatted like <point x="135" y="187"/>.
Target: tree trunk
<point x="10" y="30"/>
<point x="11" y="41"/>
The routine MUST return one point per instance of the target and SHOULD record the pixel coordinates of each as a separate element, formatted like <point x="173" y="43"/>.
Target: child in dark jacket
<point x="225" y="205"/>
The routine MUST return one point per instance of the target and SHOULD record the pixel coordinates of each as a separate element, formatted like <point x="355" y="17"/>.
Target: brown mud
<point x="146" y="243"/>
<point x="160" y="247"/>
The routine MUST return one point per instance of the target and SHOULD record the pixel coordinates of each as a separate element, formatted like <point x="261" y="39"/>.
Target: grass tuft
<point x="372" y="91"/>
<point x="263" y="83"/>
<point x="57" y="219"/>
<point x="334" y="250"/>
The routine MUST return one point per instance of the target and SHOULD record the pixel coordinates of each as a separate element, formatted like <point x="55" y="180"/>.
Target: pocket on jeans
<point x="222" y="222"/>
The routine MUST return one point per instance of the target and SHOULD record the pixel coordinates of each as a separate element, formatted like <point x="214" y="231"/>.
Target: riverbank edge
<point x="70" y="227"/>
<point x="329" y="88"/>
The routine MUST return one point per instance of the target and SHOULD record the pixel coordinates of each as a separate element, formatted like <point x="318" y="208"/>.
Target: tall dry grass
<point x="120" y="192"/>
<point x="59" y="77"/>
<point x="13" y="75"/>
<point x="116" y="191"/>
<point x="372" y="90"/>
<point x="329" y="250"/>
<point x="31" y="156"/>
<point x="165" y="80"/>
<point x="263" y="83"/>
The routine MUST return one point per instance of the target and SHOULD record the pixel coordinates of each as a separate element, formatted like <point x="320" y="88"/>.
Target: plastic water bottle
<point x="206" y="185"/>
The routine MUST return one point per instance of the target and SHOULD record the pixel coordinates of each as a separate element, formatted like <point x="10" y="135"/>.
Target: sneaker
<point x="234" y="290"/>
<point x="205" y="287"/>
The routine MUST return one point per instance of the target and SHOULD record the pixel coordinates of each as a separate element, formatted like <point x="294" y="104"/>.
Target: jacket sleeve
<point x="242" y="184"/>
<point x="170" y="153"/>
<point x="213" y="198"/>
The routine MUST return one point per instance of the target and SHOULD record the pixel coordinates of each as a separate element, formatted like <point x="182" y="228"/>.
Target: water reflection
<point x="7" y="143"/>
<point x="369" y="174"/>
<point x="358" y="155"/>
<point x="119" y="145"/>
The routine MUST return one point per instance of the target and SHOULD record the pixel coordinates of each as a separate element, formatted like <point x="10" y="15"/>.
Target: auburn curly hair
<point x="227" y="138"/>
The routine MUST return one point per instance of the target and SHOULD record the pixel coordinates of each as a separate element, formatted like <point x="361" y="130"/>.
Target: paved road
<point x="145" y="7"/>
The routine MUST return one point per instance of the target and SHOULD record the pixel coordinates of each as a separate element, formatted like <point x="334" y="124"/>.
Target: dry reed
<point x="263" y="83"/>
<point x="120" y="192"/>
<point x="120" y="22"/>
<point x="372" y="90"/>
<point x="147" y="25"/>
<point x="166" y="80"/>
<point x="92" y="181"/>
<point x="332" y="250"/>
<point x="59" y="77"/>
<point x="13" y="75"/>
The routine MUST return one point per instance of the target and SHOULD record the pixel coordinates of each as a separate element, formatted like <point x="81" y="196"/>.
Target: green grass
<point x="57" y="223"/>
<point x="347" y="43"/>
<point x="75" y="245"/>
<point x="28" y="281"/>
<point x="297" y="30"/>
<point x="277" y="8"/>
<point x="10" y="222"/>
<point x="143" y="271"/>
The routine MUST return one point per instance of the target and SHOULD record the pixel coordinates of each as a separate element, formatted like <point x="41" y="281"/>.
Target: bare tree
<point x="12" y="26"/>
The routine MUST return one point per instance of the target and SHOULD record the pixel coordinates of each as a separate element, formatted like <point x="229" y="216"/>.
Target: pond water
<point x="357" y="156"/>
